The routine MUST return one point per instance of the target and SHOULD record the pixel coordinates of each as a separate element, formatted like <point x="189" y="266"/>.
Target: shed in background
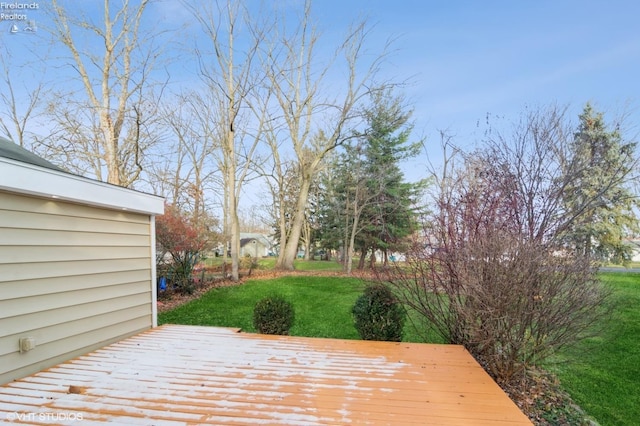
<point x="254" y="245"/>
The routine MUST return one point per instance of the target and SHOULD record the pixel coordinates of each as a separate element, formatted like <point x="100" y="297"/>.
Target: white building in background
<point x="255" y="245"/>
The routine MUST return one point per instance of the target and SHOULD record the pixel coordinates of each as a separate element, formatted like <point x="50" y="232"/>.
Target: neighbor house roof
<point x="248" y="236"/>
<point x="23" y="172"/>
<point x="206" y="375"/>
<point x="245" y="241"/>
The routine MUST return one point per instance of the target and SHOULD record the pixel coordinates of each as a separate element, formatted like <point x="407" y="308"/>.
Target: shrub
<point x="273" y="315"/>
<point x="183" y="240"/>
<point x="491" y="268"/>
<point x="378" y="315"/>
<point x="248" y="262"/>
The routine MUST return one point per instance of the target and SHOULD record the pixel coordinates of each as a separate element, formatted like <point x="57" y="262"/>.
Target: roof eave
<point x="28" y="179"/>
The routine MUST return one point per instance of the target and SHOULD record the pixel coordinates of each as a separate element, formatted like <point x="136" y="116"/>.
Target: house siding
<point x="73" y="277"/>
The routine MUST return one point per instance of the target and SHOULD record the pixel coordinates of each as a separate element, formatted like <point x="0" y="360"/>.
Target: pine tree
<point x="598" y="195"/>
<point x="372" y="203"/>
<point x="389" y="217"/>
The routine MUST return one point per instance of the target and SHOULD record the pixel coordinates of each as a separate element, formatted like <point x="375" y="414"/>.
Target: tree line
<point x="264" y="103"/>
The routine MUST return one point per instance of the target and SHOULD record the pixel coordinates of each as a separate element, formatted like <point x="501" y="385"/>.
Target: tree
<point x="283" y="183"/>
<point x="540" y="157"/>
<point x="296" y="77"/>
<point x="602" y="164"/>
<point x="350" y="198"/>
<point x="14" y="122"/>
<point x="182" y="171"/>
<point x="489" y="269"/>
<point x="330" y="207"/>
<point x="231" y="85"/>
<point x="389" y="216"/>
<point x="371" y="205"/>
<point x="184" y="240"/>
<point x="104" y="124"/>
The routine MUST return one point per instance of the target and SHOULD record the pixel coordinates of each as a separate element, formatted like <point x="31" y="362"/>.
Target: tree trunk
<point x="372" y="259"/>
<point x="235" y="246"/>
<point x="111" y="145"/>
<point x="307" y="241"/>
<point x="363" y="256"/>
<point x="291" y="249"/>
<point x="233" y="209"/>
<point x="348" y="265"/>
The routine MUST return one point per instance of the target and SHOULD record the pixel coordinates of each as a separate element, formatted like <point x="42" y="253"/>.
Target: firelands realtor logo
<point x="17" y="14"/>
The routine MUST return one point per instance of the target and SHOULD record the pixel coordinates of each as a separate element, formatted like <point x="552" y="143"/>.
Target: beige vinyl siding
<point x="73" y="277"/>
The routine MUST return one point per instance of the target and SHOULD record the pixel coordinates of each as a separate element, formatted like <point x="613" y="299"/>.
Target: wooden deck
<point x="177" y="375"/>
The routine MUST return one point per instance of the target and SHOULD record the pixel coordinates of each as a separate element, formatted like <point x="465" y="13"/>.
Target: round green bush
<point x="273" y="315"/>
<point x="378" y="315"/>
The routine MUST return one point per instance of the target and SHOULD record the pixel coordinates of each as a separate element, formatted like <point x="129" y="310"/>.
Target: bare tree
<point x="347" y="195"/>
<point x="231" y="83"/>
<point x="19" y="110"/>
<point x="280" y="179"/>
<point x="490" y="269"/>
<point x="539" y="156"/>
<point x="107" y="119"/>
<point x="358" y="199"/>
<point x="305" y="104"/>
<point x="183" y="171"/>
<point x="165" y="175"/>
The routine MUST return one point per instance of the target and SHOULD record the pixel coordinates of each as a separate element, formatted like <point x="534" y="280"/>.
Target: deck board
<point x="180" y="375"/>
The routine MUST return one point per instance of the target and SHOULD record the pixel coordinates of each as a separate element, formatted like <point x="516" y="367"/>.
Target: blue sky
<point x="472" y="58"/>
<point x="467" y="59"/>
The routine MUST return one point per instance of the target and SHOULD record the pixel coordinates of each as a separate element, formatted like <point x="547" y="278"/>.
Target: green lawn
<point x="322" y="306"/>
<point x="603" y="374"/>
<point x="300" y="265"/>
<point x="303" y="265"/>
<point x="317" y="265"/>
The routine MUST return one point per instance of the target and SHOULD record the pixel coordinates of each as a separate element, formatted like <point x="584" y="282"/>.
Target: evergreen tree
<point x="389" y="217"/>
<point x="598" y="195"/>
<point x="344" y="200"/>
<point x="367" y="201"/>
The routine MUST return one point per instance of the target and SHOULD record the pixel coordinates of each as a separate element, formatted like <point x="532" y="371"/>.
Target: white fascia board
<point x="23" y="178"/>
<point x="154" y="274"/>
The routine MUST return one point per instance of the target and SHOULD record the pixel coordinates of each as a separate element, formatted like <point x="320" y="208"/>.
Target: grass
<point x="322" y="306"/>
<point x="317" y="265"/>
<point x="602" y="374"/>
<point x="300" y="265"/>
<point x="303" y="265"/>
